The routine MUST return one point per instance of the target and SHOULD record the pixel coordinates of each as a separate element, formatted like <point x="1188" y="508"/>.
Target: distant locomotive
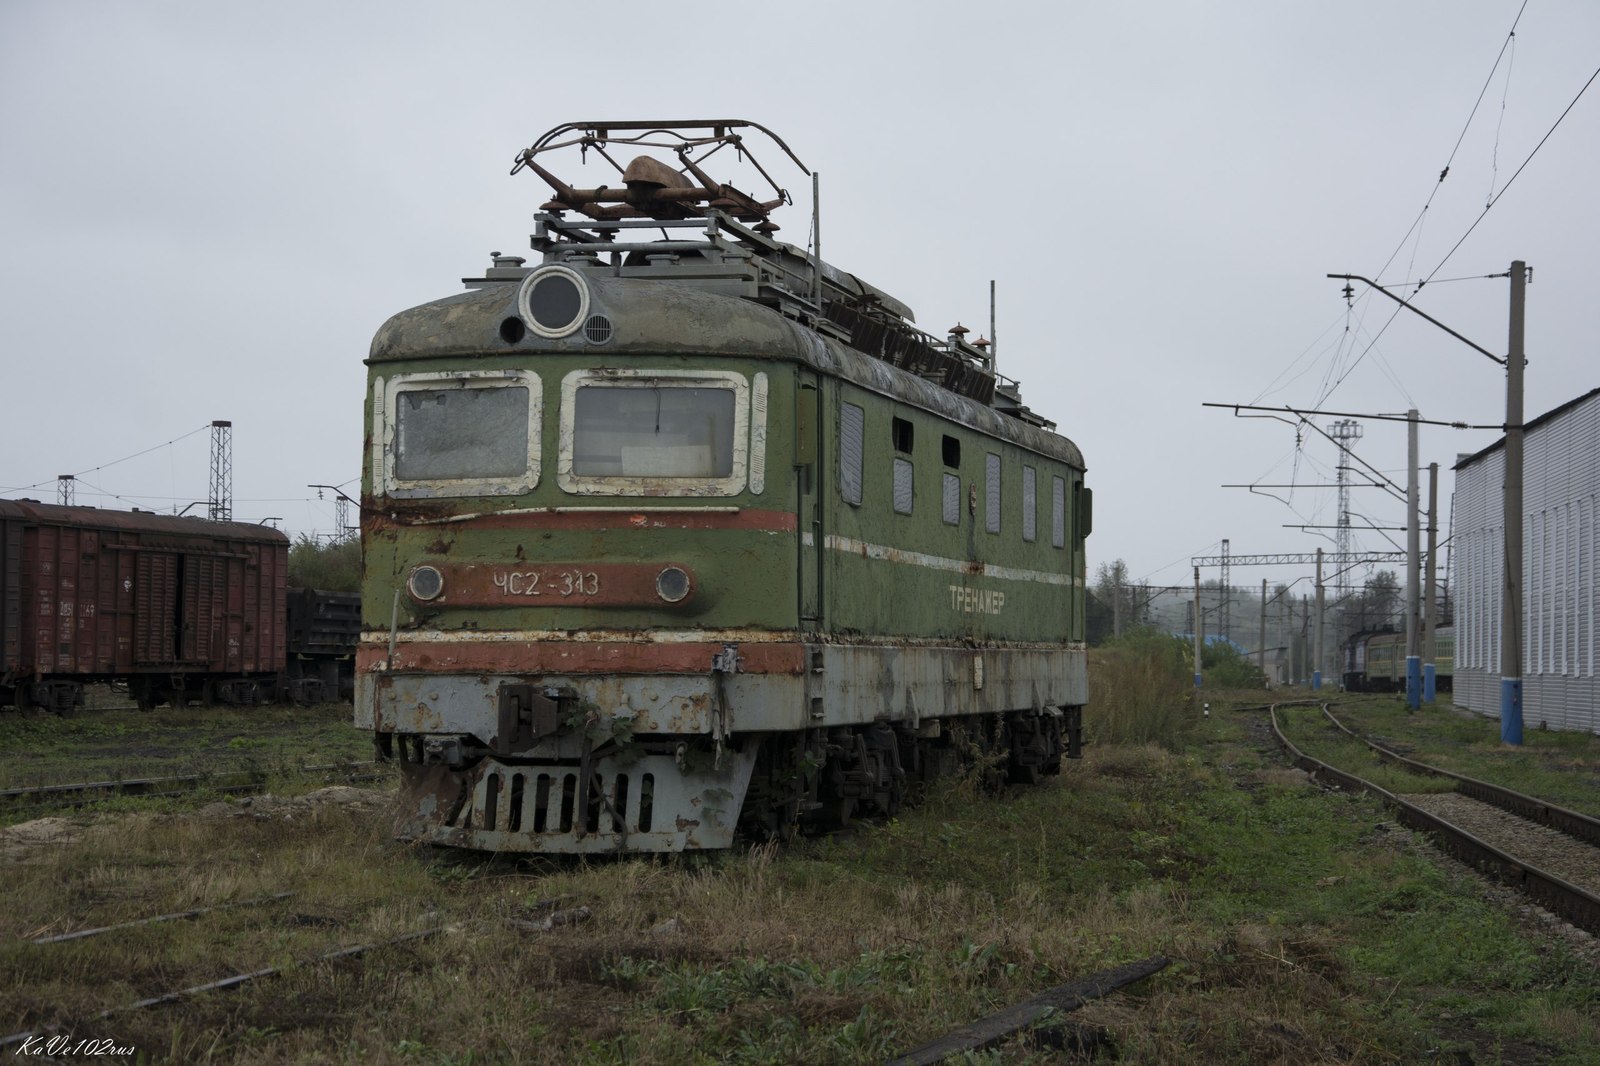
<point x="173" y="609"/>
<point x="665" y="538"/>
<point x="1375" y="660"/>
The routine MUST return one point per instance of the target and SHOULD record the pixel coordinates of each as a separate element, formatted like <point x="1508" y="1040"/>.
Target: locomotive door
<point x="808" y="465"/>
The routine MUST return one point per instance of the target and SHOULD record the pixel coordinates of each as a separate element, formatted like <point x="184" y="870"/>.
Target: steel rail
<point x="235" y="981"/>
<point x="1556" y="895"/>
<point x="79" y="934"/>
<point x="85" y="792"/>
<point x="1573" y="823"/>
<point x="988" y="1031"/>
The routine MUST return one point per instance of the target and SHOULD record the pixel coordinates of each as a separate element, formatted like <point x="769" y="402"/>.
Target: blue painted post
<point x="1429" y="694"/>
<point x="1413" y="681"/>
<point x="1511" y="710"/>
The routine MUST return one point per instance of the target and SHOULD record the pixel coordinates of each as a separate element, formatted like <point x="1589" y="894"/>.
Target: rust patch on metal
<point x="429" y="796"/>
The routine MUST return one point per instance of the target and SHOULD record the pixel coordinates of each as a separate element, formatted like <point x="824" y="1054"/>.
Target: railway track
<point x="236" y="782"/>
<point x="1479" y="821"/>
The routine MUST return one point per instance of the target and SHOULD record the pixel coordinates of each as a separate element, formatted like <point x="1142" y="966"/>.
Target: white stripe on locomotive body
<point x="887" y="553"/>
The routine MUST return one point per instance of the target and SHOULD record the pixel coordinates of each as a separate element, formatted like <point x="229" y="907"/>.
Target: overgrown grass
<point x="1302" y="925"/>
<point x="1143" y="686"/>
<point x="1310" y="731"/>
<point x="121" y="743"/>
<point x="1562" y="767"/>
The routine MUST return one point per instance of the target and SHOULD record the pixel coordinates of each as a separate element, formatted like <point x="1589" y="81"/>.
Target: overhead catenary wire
<point x="1416" y="225"/>
<point x="103" y="466"/>
<point x="1475" y="222"/>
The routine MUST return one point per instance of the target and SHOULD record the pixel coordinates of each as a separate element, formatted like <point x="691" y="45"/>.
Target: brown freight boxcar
<point x="176" y="609"/>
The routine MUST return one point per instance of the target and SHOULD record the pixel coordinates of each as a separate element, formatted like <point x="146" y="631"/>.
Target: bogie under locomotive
<point x="661" y="538"/>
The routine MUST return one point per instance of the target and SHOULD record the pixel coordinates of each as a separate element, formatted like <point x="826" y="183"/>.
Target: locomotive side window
<point x="903" y="493"/>
<point x="852" y="434"/>
<point x="991" y="487"/>
<point x="467" y="434"/>
<point x="655" y="433"/>
<point x="904" y="433"/>
<point x="1058" y="512"/>
<point x="1030" y="505"/>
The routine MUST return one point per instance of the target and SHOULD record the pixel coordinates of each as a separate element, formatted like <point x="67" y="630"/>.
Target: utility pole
<point x="1511" y="593"/>
<point x="1197" y="624"/>
<point x="1413" y="559"/>
<point x="1430" y="616"/>
<point x="1227" y="593"/>
<point x="1261" y="648"/>
<point x="1316" y="668"/>
<point x="1511" y="563"/>
<point x="1291" y="676"/>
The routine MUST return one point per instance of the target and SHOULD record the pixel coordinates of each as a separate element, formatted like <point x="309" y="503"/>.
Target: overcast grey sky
<point x="207" y="209"/>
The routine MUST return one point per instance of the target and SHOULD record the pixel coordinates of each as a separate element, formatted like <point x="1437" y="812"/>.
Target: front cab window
<point x="466" y="434"/>
<point x="654" y="433"/>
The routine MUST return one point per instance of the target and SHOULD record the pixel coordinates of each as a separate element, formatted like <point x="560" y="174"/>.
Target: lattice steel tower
<point x="1345" y="433"/>
<point x="219" y="504"/>
<point x="66" y="490"/>
<point x="1226" y="592"/>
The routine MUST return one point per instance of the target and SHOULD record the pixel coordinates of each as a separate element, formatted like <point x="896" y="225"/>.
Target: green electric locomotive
<point x="680" y="530"/>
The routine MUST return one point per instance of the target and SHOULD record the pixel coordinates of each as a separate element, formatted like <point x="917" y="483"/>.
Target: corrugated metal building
<point x="1561" y="491"/>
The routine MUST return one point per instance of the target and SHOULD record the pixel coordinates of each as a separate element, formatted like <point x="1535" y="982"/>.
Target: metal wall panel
<point x="1561" y="492"/>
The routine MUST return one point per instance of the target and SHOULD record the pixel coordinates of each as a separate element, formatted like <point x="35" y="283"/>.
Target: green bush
<point x="333" y="567"/>
<point x="1140" y="689"/>
<point x="1226" y="666"/>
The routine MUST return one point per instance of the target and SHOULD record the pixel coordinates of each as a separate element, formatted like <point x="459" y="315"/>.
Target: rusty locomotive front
<point x="679" y="530"/>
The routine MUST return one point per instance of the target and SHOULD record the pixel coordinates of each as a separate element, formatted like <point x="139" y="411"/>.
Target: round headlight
<point x="425" y="583"/>
<point x="672" y="584"/>
<point x="553" y="301"/>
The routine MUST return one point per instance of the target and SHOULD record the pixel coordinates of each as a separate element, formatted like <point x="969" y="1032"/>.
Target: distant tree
<point x="1378" y="604"/>
<point x="1115" y="593"/>
<point x="1097" y="620"/>
<point x="328" y="565"/>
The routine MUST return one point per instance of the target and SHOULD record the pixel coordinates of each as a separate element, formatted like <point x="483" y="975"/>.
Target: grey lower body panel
<point x="531" y="794"/>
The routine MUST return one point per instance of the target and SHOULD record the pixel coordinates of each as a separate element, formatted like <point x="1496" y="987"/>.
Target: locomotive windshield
<point x="464" y="434"/>
<point x="461" y="433"/>
<point x="650" y="431"/>
<point x="667" y="432"/>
